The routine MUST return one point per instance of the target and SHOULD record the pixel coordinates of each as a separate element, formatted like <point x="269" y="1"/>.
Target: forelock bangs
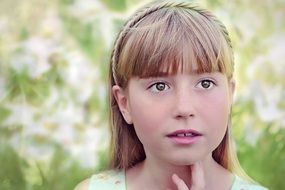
<point x="180" y="56"/>
<point x="165" y="43"/>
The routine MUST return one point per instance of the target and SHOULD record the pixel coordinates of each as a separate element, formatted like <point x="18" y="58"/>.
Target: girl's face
<point x="180" y="118"/>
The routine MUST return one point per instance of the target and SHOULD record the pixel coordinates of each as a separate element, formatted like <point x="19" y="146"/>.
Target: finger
<point x="179" y="182"/>
<point x="198" y="179"/>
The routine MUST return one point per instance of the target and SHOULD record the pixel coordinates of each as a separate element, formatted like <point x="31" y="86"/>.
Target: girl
<point x="171" y="91"/>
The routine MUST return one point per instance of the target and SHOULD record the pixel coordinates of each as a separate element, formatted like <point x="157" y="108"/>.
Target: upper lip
<point x="184" y="131"/>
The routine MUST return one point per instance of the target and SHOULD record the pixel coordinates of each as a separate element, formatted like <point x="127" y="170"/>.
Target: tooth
<point x="188" y="134"/>
<point x="180" y="135"/>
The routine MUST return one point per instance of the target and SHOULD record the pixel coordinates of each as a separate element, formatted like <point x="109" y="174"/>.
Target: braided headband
<point x="150" y="9"/>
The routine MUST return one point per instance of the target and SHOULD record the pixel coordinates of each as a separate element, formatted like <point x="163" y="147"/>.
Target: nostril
<point x="183" y="116"/>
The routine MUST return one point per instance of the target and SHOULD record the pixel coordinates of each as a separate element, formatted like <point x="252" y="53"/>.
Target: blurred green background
<point x="53" y="69"/>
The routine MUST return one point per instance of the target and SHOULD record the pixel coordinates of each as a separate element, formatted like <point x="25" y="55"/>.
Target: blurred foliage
<point x="119" y="5"/>
<point x="59" y="173"/>
<point x="12" y="169"/>
<point x="54" y="58"/>
<point x="265" y="160"/>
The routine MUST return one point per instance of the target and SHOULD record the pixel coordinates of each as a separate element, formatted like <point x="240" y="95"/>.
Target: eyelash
<point x="155" y="85"/>
<point x="212" y="83"/>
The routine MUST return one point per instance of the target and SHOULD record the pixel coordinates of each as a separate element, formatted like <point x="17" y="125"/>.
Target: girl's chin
<point x="187" y="163"/>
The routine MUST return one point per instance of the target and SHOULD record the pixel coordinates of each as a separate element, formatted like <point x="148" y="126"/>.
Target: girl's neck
<point x="157" y="175"/>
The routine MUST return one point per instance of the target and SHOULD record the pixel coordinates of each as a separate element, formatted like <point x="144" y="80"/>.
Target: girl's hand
<point x="198" y="181"/>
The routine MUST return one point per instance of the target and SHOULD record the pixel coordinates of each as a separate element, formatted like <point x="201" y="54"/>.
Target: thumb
<point x="198" y="179"/>
<point x="179" y="182"/>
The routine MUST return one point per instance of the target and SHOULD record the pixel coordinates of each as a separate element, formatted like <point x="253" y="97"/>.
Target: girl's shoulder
<point x="241" y="184"/>
<point x="107" y="180"/>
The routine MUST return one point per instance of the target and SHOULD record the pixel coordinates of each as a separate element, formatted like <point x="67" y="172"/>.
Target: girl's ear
<point x="123" y="102"/>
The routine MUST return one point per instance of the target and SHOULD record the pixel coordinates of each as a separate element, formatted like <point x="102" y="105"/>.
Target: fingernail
<point x="175" y="177"/>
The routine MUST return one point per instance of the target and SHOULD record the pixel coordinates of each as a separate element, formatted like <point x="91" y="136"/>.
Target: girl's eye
<point x="158" y="87"/>
<point x="206" y="84"/>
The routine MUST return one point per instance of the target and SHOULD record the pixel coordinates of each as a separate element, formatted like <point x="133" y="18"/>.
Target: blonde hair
<point x="166" y="37"/>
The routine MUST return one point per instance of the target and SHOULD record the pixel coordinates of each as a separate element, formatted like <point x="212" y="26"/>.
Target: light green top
<point x="108" y="180"/>
<point x="115" y="180"/>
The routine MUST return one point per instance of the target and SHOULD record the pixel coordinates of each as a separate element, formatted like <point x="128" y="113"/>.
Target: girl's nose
<point x="184" y="105"/>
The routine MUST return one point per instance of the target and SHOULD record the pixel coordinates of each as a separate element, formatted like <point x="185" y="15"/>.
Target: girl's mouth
<point x="184" y="137"/>
<point x="184" y="133"/>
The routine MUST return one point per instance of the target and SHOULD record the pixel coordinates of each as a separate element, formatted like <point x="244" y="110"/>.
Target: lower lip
<point x="185" y="140"/>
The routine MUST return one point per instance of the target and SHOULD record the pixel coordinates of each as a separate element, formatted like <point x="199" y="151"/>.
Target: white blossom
<point x="266" y="100"/>
<point x="81" y="75"/>
<point x="86" y="10"/>
<point x="251" y="133"/>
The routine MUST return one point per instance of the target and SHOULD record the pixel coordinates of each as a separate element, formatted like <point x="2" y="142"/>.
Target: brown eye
<point x="205" y="84"/>
<point x="159" y="87"/>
